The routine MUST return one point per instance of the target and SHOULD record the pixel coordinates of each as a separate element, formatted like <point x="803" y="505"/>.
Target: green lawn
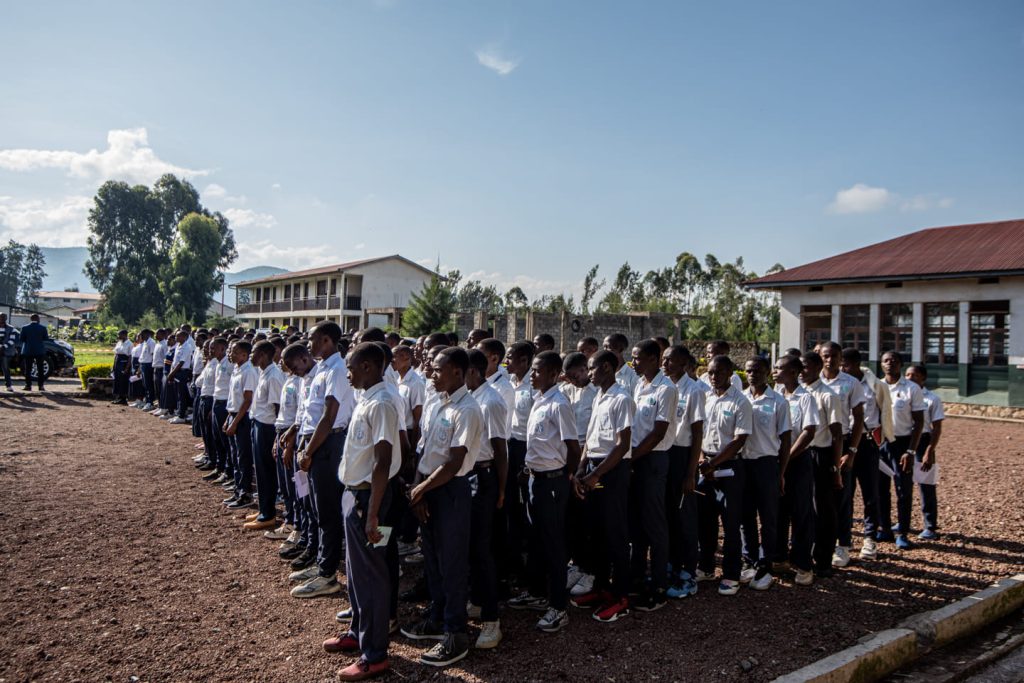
<point x="87" y="354"/>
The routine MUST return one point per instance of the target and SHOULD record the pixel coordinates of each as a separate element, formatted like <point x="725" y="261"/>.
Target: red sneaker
<point x="360" y="670"/>
<point x="591" y="599"/>
<point x="345" y="643"/>
<point x="613" y="611"/>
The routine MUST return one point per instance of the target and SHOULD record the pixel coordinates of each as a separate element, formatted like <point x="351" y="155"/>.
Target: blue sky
<point x="520" y="142"/>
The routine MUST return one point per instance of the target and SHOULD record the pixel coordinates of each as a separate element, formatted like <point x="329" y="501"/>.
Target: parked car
<point x="59" y="355"/>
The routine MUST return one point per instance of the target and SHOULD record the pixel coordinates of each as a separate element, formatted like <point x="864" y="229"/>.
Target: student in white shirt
<point x="655" y="397"/>
<point x="727" y="425"/>
<point x="146" y="359"/>
<point x="494" y="350"/>
<point x="122" y="367"/>
<point x="718" y="347"/>
<point x="204" y="406"/>
<point x="520" y="358"/>
<point x="761" y="455"/>
<point x="198" y="363"/>
<point x="552" y="452"/>
<point x="411" y="387"/>
<point x="300" y="362"/>
<point x="264" y="411"/>
<point x="238" y="425"/>
<point x="680" y="496"/>
<point x="908" y="408"/>
<point x="169" y="392"/>
<point x="602" y="482"/>
<point x="159" y="352"/>
<point x="441" y="499"/>
<point x="181" y="374"/>
<point x="618" y="344"/>
<point x="930" y="435"/>
<point x="588" y="346"/>
<point x="796" y="471"/>
<point x="291" y="529"/>
<point x="372" y="458"/>
<point x="487" y="480"/>
<point x="135" y="389"/>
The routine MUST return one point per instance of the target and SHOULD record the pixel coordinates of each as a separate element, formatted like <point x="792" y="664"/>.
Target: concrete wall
<point x="388" y="284"/>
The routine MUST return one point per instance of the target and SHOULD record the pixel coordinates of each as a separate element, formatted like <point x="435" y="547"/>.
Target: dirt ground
<point x="118" y="564"/>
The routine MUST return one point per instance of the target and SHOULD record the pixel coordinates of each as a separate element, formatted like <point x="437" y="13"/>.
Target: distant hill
<point x="64" y="269"/>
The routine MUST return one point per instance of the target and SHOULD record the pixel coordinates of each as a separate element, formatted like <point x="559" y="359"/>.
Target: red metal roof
<point x="323" y="270"/>
<point x="954" y="251"/>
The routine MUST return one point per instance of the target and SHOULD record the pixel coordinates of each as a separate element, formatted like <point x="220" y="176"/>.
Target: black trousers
<point x="513" y="528"/>
<point x="903" y="482"/>
<point x="681" y="513"/>
<point x="796" y="508"/>
<point x="826" y="504"/>
<point x="326" y="489"/>
<point x="263" y="436"/>
<point x="147" y="382"/>
<point x="647" y="520"/>
<point x="865" y="473"/>
<point x="182" y="380"/>
<point x="606" y="529"/>
<point x="760" y="504"/>
<point x="122" y="366"/>
<point x="722" y="497"/>
<point x="366" y="572"/>
<point x="221" y="448"/>
<point x="446" y="553"/>
<point x="546" y="563"/>
<point x="483" y="572"/>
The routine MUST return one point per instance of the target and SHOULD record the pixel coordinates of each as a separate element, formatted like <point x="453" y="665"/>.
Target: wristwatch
<point x="910" y="453"/>
<point x="852" y="450"/>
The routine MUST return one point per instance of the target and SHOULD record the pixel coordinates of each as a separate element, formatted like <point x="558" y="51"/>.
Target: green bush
<point x="94" y="370"/>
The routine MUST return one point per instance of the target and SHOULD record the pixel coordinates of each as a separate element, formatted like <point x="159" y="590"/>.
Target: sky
<point x="520" y="142"/>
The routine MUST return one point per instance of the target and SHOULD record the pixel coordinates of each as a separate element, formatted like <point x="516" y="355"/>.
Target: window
<point x="259" y="294"/>
<point x="990" y="332"/>
<point x="897" y="326"/>
<point x="817" y="325"/>
<point x="855" y="326"/>
<point x="321" y="288"/>
<point x="305" y="291"/>
<point x="287" y="292"/>
<point x="334" y="286"/>
<point x="940" y="333"/>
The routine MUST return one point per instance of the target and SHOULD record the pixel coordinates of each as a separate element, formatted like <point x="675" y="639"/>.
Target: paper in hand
<point x="884" y="468"/>
<point x="301" y="484"/>
<point x="929" y="477"/>
<point x="385" y="534"/>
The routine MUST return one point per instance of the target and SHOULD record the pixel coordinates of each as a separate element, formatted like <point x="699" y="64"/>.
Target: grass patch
<point x="91" y="354"/>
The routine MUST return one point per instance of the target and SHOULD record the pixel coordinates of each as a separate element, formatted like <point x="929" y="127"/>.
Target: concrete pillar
<point x="563" y="330"/>
<point x="874" y="341"/>
<point x="963" y="333"/>
<point x="917" y="340"/>
<point x="837" y="312"/>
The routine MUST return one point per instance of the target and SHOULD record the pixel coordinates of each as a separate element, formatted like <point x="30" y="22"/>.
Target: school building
<point x="354" y="295"/>
<point x="942" y="296"/>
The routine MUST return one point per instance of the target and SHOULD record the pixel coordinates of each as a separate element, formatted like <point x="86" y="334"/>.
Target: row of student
<point x="651" y="473"/>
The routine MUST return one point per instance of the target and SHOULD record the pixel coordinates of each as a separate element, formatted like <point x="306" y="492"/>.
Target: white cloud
<point x="491" y="58"/>
<point x="213" y="190"/>
<point x="247" y="218"/>
<point x="360" y="246"/>
<point x="49" y="223"/>
<point x="265" y="253"/>
<point x="128" y="156"/>
<point x="533" y="287"/>
<point x="275" y="186"/>
<point x="861" y="198"/>
<point x="925" y="202"/>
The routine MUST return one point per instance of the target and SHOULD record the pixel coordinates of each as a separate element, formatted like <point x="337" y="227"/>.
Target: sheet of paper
<point x="301" y="484"/>
<point x="923" y="477"/>
<point x="134" y="378"/>
<point x="385" y="534"/>
<point x="884" y="468"/>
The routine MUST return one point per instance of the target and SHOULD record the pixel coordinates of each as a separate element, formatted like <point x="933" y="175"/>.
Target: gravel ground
<point x="118" y="564"/>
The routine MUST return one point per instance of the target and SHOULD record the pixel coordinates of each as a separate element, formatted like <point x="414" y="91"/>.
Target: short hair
<point x="721" y="346"/>
<point x="219" y="341"/>
<point x="723" y="359"/>
<point x="406" y="342"/>
<point x="648" y="347"/>
<point x="618" y="341"/>
<point x="278" y="342"/>
<point x="545" y="338"/>
<point x="265" y="347"/>
<point x="894" y="353"/>
<point x="759" y="361"/>
<point x="851" y="355"/>
<point x="793" y="352"/>
<point x="523" y="348"/>
<point x="372" y="334"/>
<point x="293" y="351"/>
<point x="919" y="367"/>
<point x="456" y="355"/>
<point x="573" y="360"/>
<point x="401" y="349"/>
<point x="453" y="339"/>
<point x="369" y="352"/>
<point x="478" y="360"/>
<point x="385" y="349"/>
<point x="244" y="346"/>
<point x="792" y="363"/>
<point x="605" y="356"/>
<point x="34" y="317"/>
<point x="120" y="332"/>
<point x="146" y="332"/>
<point x="492" y="345"/>
<point x="680" y="350"/>
<point x="328" y="328"/>
<point x="548" y="360"/>
<point x="663" y="342"/>
<point x="811" y="358"/>
<point x="436" y="339"/>
<point x="590" y="341"/>
<point x="294" y="338"/>
<point x="393" y="337"/>
<point x="476" y="331"/>
<point x="831" y="345"/>
<point x="259" y="336"/>
<point x="343" y="345"/>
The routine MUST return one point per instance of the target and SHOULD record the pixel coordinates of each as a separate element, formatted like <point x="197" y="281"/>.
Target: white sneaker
<point x="764" y="583"/>
<point x="583" y="586"/>
<point x="293" y="537"/>
<point x="705" y="576"/>
<point x="840" y="556"/>
<point x="473" y="611"/>
<point x="490" y="635"/>
<point x="869" y="550"/>
<point x="179" y="421"/>
<point x="407" y="548"/>
<point x="317" y="586"/>
<point x="281" y="532"/>
<point x="572" y="575"/>
<point x="415" y="558"/>
<point x="303" y="575"/>
<point x="748" y="574"/>
<point x="553" y="620"/>
<point x="803" y="578"/>
<point x="147" y="407"/>
<point x="728" y="587"/>
<point x="158" y="412"/>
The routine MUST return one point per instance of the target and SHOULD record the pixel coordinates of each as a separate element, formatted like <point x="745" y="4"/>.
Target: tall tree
<point x="430" y="310"/>
<point x="591" y="286"/>
<point x="515" y="298"/>
<point x="32" y="274"/>
<point x="190" y="279"/>
<point x="22" y="270"/>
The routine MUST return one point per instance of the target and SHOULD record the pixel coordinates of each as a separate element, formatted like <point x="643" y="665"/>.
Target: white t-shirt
<point x="689" y="410"/>
<point x="243" y="378"/>
<point x="495" y="419"/>
<point x="770" y="420"/>
<point x="655" y="401"/>
<point x="551" y="424"/>
<point x="331" y="380"/>
<point x="457" y="422"/>
<point x="222" y="378"/>
<point x="288" y="401"/>
<point x="829" y="413"/>
<point x="851" y="395"/>
<point x="268" y="392"/>
<point x="612" y="413"/>
<point x="726" y="417"/>
<point x="374" y="419"/>
<point x="907" y="398"/>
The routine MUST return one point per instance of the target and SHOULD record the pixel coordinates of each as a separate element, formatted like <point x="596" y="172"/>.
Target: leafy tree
<point x="190" y="279"/>
<point x="515" y="298"/>
<point x="554" y="304"/>
<point x="591" y="286"/>
<point x="475" y="296"/>
<point x="32" y="273"/>
<point x="430" y="310"/>
<point x="21" y="272"/>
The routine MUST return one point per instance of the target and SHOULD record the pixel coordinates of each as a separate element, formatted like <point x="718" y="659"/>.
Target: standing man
<point x="181" y="374"/>
<point x="33" y="351"/>
<point x="617" y="343"/>
<point x="8" y="347"/>
<point x="265" y="406"/>
<point x="908" y="408"/>
<point x="146" y="368"/>
<point x="122" y="368"/>
<point x="520" y="358"/>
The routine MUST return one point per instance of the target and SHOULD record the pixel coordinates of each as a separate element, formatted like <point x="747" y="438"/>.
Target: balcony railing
<point x="319" y="303"/>
<point x="353" y="303"/>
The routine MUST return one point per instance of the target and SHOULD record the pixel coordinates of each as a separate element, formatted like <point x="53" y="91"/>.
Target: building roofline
<point x="326" y="270"/>
<point x="756" y="284"/>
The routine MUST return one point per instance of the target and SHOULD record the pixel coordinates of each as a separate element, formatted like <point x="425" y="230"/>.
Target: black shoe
<point x="454" y="647"/>
<point x="232" y="499"/>
<point x="206" y="466"/>
<point x="304" y="560"/>
<point x="825" y="573"/>
<point x="291" y="552"/>
<point x="243" y="501"/>
<point x="418" y="593"/>
<point x="214" y="473"/>
<point x="424" y="629"/>
<point x="649" y="601"/>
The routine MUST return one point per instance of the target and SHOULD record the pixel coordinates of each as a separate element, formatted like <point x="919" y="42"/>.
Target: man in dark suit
<point x="33" y="350"/>
<point x="8" y="341"/>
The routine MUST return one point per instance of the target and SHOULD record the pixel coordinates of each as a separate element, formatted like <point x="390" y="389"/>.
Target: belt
<point x="550" y="474"/>
<point x="483" y="466"/>
<point x="339" y="430"/>
<point x="365" y="486"/>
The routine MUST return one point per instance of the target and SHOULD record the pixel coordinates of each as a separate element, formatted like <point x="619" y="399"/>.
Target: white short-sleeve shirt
<point x="304" y="388"/>
<point x="244" y="378"/>
<point x="551" y="424"/>
<point x="499" y="381"/>
<point x="829" y="413"/>
<point x="222" y="378"/>
<point x="268" y="392"/>
<point x="689" y="410"/>
<point x="288" y="401"/>
<point x="612" y="413"/>
<point x="933" y="410"/>
<point x="907" y="398"/>
<point x="770" y="420"/>
<point x="413" y="389"/>
<point x="331" y="380"/>
<point x="524" y="404"/>
<point x="851" y="395"/>
<point x="872" y="414"/>
<point x="803" y="411"/>
<point x="627" y="378"/>
<point x="207" y="380"/>
<point x="148" y="349"/>
<point x="374" y="419"/>
<point x="726" y="417"/>
<point x="655" y="401"/>
<point x="582" y="401"/>
<point x="457" y="422"/>
<point x="495" y="415"/>
<point x="183" y="353"/>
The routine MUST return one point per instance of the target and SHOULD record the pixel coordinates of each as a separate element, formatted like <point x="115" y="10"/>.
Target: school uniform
<point x="412" y="389"/>
<point x="907" y="399"/>
<point x="198" y="363"/>
<point x="796" y="505"/>
<point x="516" y="492"/>
<point x="288" y="402"/>
<point x="159" y="353"/>
<point x="456" y="422"/>
<point x="204" y="409"/>
<point x="864" y="472"/>
<point x="264" y="433"/>
<point x="122" y="368"/>
<point x="760" y="463"/>
<point x="146" y="359"/>
<point x="311" y="526"/>
<point x="933" y="413"/>
<point x="823" y="459"/>
<point x="8" y="348"/>
<point x="331" y="380"/>
<point x="375" y="419"/>
<point x="655" y="402"/>
<point x="169" y="394"/>
<point x="243" y="378"/>
<point x="399" y="510"/>
<point x="627" y="378"/>
<point x="680" y="510"/>
<point x="606" y="507"/>
<point x="484" y="487"/>
<point x="727" y="417"/>
<point x="183" y="354"/>
<point x="851" y="394"/>
<point x="219" y="414"/>
<point x="135" y="390"/>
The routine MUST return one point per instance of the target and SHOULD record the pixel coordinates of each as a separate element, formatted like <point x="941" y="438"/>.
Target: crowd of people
<point x="600" y="480"/>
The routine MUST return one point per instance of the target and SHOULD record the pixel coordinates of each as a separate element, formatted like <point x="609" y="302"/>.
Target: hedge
<point x="94" y="370"/>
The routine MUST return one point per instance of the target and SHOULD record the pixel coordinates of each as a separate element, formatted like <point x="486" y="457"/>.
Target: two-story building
<point x="354" y="295"/>
<point x="941" y="296"/>
<point x="63" y="305"/>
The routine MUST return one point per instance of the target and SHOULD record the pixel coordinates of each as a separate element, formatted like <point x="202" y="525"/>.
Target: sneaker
<point x="650" y="601"/>
<point x="683" y="588"/>
<point x="748" y="574"/>
<point x="317" y="586"/>
<point x="473" y="611"/>
<point x="305" y="574"/>
<point x="232" y="499"/>
<point x="360" y="670"/>
<point x="869" y="550"/>
<point x="158" y="412"/>
<point x="343" y="643"/>
<point x="728" y="587"/>
<point x="452" y="648"/>
<point x="705" y="576"/>
<point x="344" y="616"/>
<point x="305" y="559"/>
<point x="243" y="501"/>
<point x="903" y="543"/>
<point x="147" y="407"/>
<point x="212" y="476"/>
<point x="763" y="580"/>
<point x="591" y="600"/>
<point x="290" y="551"/>
<point x="490" y="635"/>
<point x="584" y="585"/>
<point x="553" y="620"/>
<point x="206" y="466"/>
<point x="179" y="421"/>
<point x="407" y="548"/>
<point x="885" y="537"/>
<point x="414" y="558"/>
<point x="572" y="576"/>
<point x="423" y="630"/>
<point x="527" y="601"/>
<point x="613" y="611"/>
<point x="282" y="532"/>
<point x="928" y="535"/>
<point x="840" y="557"/>
<point x="803" y="578"/>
